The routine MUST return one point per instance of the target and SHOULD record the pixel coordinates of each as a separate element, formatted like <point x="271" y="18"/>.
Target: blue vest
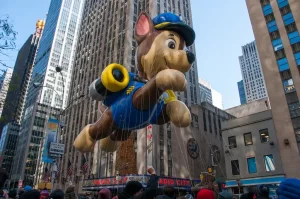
<point x="125" y="115"/>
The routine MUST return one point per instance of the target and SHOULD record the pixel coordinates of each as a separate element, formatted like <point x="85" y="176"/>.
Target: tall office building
<point x="107" y="36"/>
<point x="15" y="99"/>
<point x="8" y="144"/>
<point x="242" y="93"/>
<point x="205" y="91"/>
<point x="276" y="25"/>
<point x="253" y="79"/>
<point x="210" y="95"/>
<point x="5" y="79"/>
<point x="56" y="49"/>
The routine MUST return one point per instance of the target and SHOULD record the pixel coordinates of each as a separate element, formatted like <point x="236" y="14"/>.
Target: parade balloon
<point x="133" y="101"/>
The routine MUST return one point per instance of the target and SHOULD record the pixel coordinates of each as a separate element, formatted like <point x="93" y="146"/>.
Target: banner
<point x="50" y="137"/>
<point x="149" y="145"/>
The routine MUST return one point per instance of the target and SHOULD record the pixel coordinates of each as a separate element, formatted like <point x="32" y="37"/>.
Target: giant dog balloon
<point x="133" y="101"/>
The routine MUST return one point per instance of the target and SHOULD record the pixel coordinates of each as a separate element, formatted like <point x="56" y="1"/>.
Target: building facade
<point x="242" y="93"/>
<point x="210" y="95"/>
<point x="253" y="78"/>
<point x="251" y="152"/>
<point x="205" y="91"/>
<point x="56" y="49"/>
<point x="5" y="79"/>
<point x="17" y="92"/>
<point x="107" y="36"/>
<point x="276" y="29"/>
<point x="8" y="144"/>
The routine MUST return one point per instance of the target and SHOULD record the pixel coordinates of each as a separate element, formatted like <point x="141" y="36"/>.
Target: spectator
<point x="250" y="194"/>
<point x="205" y="194"/>
<point x="70" y="193"/>
<point x="104" y="194"/>
<point x="289" y="189"/>
<point x="262" y="192"/>
<point x="32" y="194"/>
<point x="44" y="194"/>
<point x="168" y="193"/>
<point x="12" y="194"/>
<point x="57" y="194"/>
<point x="21" y="192"/>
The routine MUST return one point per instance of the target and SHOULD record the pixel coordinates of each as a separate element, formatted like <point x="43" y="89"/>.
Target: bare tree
<point x="7" y="38"/>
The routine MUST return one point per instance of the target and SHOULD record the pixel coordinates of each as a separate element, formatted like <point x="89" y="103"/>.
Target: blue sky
<point x="222" y="27"/>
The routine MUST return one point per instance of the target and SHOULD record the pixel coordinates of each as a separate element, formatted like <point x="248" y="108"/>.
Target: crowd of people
<point x="288" y="189"/>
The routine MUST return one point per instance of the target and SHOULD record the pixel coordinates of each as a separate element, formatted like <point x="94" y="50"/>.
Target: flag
<point x="84" y="164"/>
<point x="46" y="176"/>
<point x="70" y="168"/>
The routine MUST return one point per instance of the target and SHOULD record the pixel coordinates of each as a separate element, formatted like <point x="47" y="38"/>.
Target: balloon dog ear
<point x="144" y="26"/>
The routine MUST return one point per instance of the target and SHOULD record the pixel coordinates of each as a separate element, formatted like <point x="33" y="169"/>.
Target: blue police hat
<point x="170" y="21"/>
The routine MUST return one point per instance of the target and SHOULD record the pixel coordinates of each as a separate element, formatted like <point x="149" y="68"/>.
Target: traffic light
<point x="201" y="177"/>
<point x="210" y="170"/>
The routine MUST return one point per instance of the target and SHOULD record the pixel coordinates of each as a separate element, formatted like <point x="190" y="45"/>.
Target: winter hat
<point x="27" y="188"/>
<point x="289" y="189"/>
<point x="225" y="195"/>
<point x="57" y="194"/>
<point x="33" y="194"/>
<point x="104" y="194"/>
<point x="132" y="187"/>
<point x="44" y="193"/>
<point x="205" y="194"/>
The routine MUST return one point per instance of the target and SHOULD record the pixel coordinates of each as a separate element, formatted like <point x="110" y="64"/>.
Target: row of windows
<point x="252" y="168"/>
<point x="264" y="137"/>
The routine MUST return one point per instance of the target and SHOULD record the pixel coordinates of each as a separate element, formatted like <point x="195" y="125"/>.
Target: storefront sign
<point x="174" y="182"/>
<point x="122" y="180"/>
<point x="50" y="137"/>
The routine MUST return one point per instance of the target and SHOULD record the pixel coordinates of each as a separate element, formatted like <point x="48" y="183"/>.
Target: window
<point x="275" y="35"/>
<point x="248" y="139"/>
<point x="251" y="165"/>
<point x="235" y="167"/>
<point x="204" y="121"/>
<point x="269" y="163"/>
<point x="294" y="109"/>
<point x="291" y="27"/>
<point x="296" y="47"/>
<point x="286" y="9"/>
<point x="264" y="135"/>
<point x="232" y="142"/>
<point x="264" y="2"/>
<point x="269" y="17"/>
<point x="280" y="54"/>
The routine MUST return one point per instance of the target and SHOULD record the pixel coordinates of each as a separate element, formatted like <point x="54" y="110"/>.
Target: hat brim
<point x="184" y="30"/>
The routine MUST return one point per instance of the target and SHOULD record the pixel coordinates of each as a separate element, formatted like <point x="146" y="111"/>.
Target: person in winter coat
<point x="262" y="192"/>
<point x="44" y="194"/>
<point x="205" y="194"/>
<point x="225" y="195"/>
<point x="57" y="194"/>
<point x="250" y="194"/>
<point x="70" y="193"/>
<point x="289" y="189"/>
<point x="168" y="193"/>
<point x="32" y="194"/>
<point x="104" y="194"/>
<point x="12" y="194"/>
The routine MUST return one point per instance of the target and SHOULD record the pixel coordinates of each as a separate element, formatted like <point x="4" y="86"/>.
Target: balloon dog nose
<point x="190" y="57"/>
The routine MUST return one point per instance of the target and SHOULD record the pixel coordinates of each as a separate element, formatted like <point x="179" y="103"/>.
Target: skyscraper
<point x="107" y="36"/>
<point x="210" y="95"/>
<point x="242" y="93"/>
<point x="205" y="91"/>
<point x="276" y="26"/>
<point x="253" y="79"/>
<point x="15" y="100"/>
<point x="49" y="88"/>
<point x="4" y="84"/>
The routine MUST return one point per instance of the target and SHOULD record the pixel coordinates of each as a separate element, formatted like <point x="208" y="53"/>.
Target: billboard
<point x="51" y="132"/>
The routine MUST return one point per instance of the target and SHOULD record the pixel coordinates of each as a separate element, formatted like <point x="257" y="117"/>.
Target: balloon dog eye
<point x="171" y="43"/>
